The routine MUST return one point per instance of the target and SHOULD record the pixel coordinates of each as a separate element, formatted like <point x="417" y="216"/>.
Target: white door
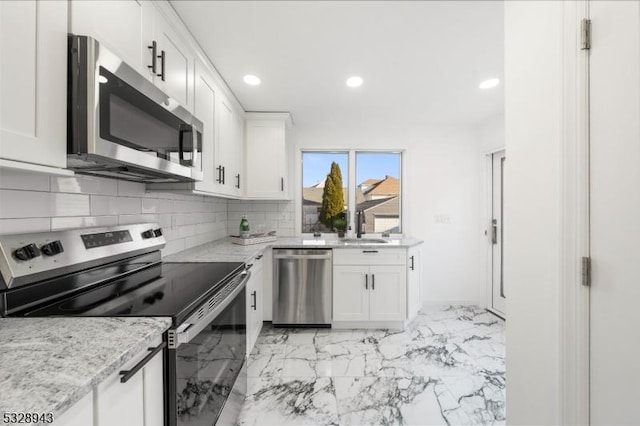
<point x="498" y="293"/>
<point x="615" y="212"/>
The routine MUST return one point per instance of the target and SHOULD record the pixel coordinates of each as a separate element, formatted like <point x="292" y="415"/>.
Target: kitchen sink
<point x="363" y="241"/>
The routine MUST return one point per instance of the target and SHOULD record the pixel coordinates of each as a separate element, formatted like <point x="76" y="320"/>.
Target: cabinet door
<point x="350" y="293"/>
<point x="153" y="377"/>
<point x="33" y="82"/>
<point x="251" y="289"/>
<point x="266" y="159"/>
<point x="121" y="403"/>
<point x="205" y="111"/>
<point x="80" y="414"/>
<point x="122" y="26"/>
<point x="413" y="273"/>
<point x="226" y="148"/>
<point x="238" y="182"/>
<point x="176" y="71"/>
<point x="257" y="312"/>
<point x="388" y="293"/>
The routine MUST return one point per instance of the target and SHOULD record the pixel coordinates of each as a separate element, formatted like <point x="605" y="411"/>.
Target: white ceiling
<point x="421" y="61"/>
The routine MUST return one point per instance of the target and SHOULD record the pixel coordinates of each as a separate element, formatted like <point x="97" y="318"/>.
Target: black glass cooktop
<point x="165" y="289"/>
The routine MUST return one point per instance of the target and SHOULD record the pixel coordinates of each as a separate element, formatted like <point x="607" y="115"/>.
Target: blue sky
<point x="369" y="165"/>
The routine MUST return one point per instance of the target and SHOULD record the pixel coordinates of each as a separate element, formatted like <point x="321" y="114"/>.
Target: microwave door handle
<point x="184" y="129"/>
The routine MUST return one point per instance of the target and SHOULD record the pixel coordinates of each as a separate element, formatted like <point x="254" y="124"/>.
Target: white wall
<point x="440" y="176"/>
<point x="40" y="203"/>
<point x="533" y="216"/>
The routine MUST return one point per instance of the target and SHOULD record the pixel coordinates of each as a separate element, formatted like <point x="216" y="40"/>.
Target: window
<point x="376" y="191"/>
<point x="316" y="169"/>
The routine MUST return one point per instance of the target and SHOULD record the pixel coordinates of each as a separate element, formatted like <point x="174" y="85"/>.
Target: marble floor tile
<point x="446" y="367"/>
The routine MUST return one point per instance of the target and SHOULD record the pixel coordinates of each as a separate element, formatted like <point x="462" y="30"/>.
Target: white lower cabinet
<point x="254" y="302"/>
<point x="414" y="273"/>
<point x="138" y="402"/>
<point x="369" y="293"/>
<point x="80" y="414"/>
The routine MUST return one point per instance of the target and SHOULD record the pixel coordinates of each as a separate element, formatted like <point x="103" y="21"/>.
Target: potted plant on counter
<point x="340" y="225"/>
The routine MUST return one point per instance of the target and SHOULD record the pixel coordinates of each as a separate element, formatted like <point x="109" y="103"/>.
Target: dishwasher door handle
<point x="302" y="256"/>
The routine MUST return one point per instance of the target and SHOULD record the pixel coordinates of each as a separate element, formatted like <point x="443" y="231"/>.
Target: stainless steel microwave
<point x="121" y="126"/>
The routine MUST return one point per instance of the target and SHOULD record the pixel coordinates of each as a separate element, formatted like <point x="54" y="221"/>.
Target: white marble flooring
<point x="446" y="368"/>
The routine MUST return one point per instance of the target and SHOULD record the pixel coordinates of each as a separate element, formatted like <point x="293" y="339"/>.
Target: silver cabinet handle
<point x="370" y="251"/>
<point x="373" y="282"/>
<point x="162" y="58"/>
<point x="412" y="265"/>
<point x="281" y="184"/>
<point x="254" y="303"/>
<point x="154" y="56"/>
<point x="366" y="281"/>
<point x="128" y="374"/>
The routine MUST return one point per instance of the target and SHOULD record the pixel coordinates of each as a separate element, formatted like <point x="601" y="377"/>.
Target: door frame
<point x="574" y="226"/>
<point x="486" y="274"/>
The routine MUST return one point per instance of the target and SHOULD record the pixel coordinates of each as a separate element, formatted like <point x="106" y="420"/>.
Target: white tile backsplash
<point x="105" y="205"/>
<point x="84" y="185"/>
<point x="18" y="226"/>
<point x="271" y="215"/>
<point x="24" y="181"/>
<point x="40" y="203"/>
<point x="58" y="223"/>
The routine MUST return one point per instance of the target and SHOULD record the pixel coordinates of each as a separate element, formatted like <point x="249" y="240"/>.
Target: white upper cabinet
<point x="206" y="94"/>
<point x="266" y="155"/>
<point x="33" y="82"/>
<point x="141" y="34"/>
<point x="229" y="149"/>
<point x="123" y="26"/>
<point x="175" y="62"/>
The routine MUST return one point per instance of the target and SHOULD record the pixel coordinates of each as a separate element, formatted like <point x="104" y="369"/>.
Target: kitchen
<point x="444" y="146"/>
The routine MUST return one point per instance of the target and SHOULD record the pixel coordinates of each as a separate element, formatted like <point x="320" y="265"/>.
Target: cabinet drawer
<point x="369" y="256"/>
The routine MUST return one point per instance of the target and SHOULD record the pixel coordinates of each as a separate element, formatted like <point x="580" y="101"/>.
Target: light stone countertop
<point x="49" y="364"/>
<point x="223" y="250"/>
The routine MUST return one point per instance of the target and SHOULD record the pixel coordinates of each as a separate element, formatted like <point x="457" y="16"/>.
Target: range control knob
<point x="148" y="234"/>
<point x="53" y="248"/>
<point x="27" y="252"/>
<point x="157" y="232"/>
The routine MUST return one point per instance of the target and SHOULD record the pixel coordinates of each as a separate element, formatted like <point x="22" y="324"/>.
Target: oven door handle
<point x="192" y="330"/>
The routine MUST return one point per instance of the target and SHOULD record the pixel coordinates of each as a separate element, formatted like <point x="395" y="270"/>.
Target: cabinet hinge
<point x="586" y="271"/>
<point x="585" y="34"/>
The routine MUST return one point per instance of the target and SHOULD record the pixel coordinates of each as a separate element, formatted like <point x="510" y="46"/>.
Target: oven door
<point x="119" y="117"/>
<point x="207" y="367"/>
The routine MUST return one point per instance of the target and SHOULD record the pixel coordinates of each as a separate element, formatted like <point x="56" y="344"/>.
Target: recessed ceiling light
<point x="354" y="81"/>
<point x="102" y="79"/>
<point x="251" y="80"/>
<point x="488" y="84"/>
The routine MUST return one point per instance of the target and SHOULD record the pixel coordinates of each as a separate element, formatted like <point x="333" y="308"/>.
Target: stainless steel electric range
<point x="117" y="271"/>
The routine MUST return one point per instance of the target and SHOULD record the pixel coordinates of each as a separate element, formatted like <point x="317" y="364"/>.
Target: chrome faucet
<point x="360" y="220"/>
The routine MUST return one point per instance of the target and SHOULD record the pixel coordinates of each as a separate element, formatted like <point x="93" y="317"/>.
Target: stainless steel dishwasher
<point x="302" y="287"/>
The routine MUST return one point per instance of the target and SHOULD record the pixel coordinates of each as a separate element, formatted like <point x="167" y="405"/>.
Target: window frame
<point x="351" y="187"/>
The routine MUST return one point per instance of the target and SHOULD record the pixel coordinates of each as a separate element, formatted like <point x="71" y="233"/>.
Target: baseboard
<point x="392" y="325"/>
<point x="457" y="302"/>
